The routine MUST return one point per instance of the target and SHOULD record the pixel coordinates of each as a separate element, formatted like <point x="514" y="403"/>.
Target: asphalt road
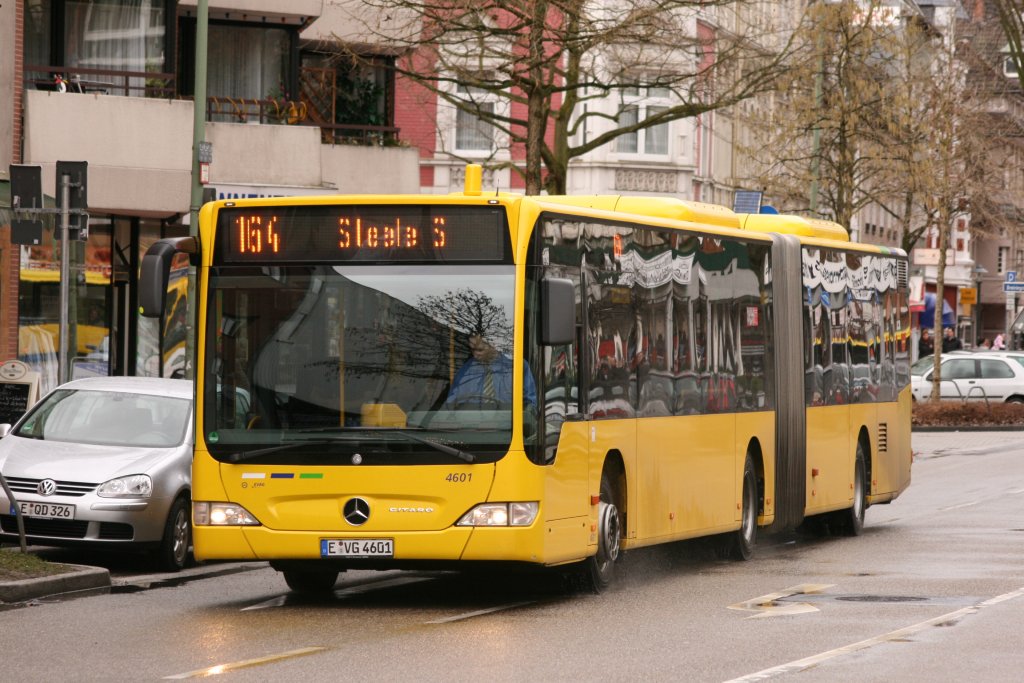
<point x="933" y="590"/>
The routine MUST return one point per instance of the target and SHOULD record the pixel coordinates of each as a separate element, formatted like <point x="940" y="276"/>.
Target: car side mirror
<point x="558" y="311"/>
<point x="5" y="429"/>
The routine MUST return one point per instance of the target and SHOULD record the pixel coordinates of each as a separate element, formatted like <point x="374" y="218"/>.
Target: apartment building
<point x="111" y="83"/>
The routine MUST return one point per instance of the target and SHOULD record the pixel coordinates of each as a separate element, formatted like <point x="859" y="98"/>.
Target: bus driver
<point x="485" y="379"/>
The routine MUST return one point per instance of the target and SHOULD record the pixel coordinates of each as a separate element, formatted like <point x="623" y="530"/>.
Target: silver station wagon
<point x="103" y="462"/>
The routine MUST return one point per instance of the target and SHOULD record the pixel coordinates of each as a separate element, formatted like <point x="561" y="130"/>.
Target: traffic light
<point x="77" y="172"/>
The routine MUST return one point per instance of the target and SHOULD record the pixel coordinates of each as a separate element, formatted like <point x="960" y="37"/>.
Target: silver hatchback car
<point x="104" y="462"/>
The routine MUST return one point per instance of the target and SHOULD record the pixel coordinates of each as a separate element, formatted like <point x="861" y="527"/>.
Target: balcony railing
<point x="103" y="81"/>
<point x="309" y="111"/>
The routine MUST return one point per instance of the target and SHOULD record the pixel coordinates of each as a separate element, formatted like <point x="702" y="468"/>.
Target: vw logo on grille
<point x="47" y="487"/>
<point x="356" y="511"/>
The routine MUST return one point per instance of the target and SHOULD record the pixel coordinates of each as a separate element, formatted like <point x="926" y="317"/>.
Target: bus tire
<point x="599" y="570"/>
<point x="850" y="522"/>
<point x="739" y="545"/>
<point x="311" y="582"/>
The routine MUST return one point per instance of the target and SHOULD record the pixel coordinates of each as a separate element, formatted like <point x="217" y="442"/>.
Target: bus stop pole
<point x="65" y="279"/>
<point x="198" y="136"/>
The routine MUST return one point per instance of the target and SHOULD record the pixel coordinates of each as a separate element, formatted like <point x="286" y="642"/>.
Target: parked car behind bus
<point x="104" y="462"/>
<point x="990" y="375"/>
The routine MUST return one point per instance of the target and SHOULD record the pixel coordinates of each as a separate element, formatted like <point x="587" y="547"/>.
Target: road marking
<point x="480" y="612"/>
<point x="961" y="505"/>
<point x="768" y="605"/>
<point x="279" y="601"/>
<point x="232" y="666"/>
<point x="943" y="620"/>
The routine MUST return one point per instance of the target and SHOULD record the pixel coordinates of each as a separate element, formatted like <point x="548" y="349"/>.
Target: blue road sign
<point x="1013" y="286"/>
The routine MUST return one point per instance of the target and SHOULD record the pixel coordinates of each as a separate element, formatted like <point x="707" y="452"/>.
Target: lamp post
<point x="979" y="271"/>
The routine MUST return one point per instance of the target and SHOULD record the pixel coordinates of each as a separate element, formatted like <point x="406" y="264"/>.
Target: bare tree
<point x="821" y="146"/>
<point x="1011" y="19"/>
<point x="470" y="312"/>
<point x="553" y="76"/>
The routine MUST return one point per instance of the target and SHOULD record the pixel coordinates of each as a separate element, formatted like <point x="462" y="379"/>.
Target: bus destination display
<point x="303" y="234"/>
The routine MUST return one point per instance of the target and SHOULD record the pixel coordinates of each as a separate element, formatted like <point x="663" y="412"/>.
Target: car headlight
<point x="221" y="514"/>
<point x="132" y="486"/>
<point x="500" y="514"/>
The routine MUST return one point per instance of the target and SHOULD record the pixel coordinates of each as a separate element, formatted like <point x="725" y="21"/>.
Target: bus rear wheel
<point x="850" y="522"/>
<point x="310" y="582"/>
<point x="599" y="570"/>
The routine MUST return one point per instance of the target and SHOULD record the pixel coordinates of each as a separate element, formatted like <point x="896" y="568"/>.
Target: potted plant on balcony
<point x="280" y="108"/>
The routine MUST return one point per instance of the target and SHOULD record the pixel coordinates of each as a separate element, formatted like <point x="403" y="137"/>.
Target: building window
<point x="112" y="36"/>
<point x="640" y="104"/>
<point x="472" y="132"/>
<point x="1001" y="258"/>
<point x="1010" y="67"/>
<point x="248" y="62"/>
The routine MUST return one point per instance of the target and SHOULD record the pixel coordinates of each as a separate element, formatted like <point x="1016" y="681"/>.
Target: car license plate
<point x="46" y="510"/>
<point x="357" y="547"/>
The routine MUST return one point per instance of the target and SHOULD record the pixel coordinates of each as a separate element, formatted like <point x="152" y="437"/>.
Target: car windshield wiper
<point x="242" y="456"/>
<point x="404" y="432"/>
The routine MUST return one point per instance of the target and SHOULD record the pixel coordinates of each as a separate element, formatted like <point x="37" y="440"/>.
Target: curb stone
<point x="79" y="578"/>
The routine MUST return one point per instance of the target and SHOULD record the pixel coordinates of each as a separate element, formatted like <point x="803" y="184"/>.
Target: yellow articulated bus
<point x="450" y="381"/>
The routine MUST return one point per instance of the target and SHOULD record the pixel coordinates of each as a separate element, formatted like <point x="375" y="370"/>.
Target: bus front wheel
<point x="310" y="582"/>
<point x="599" y="570"/>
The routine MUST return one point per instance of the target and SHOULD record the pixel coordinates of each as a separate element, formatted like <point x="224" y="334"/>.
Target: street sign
<point x="968" y="295"/>
<point x="1013" y="286"/>
<point x="930" y="257"/>
<point x="1011" y="276"/>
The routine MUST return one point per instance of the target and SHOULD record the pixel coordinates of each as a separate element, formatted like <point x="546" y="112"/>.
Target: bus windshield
<point x="345" y="364"/>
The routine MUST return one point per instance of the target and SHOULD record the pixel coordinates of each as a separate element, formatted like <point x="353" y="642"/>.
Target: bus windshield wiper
<point x="242" y="456"/>
<point x="436" y="445"/>
<point x="405" y="432"/>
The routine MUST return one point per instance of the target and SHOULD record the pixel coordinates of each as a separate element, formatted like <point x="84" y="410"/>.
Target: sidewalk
<point x="83" y="578"/>
<point x="79" y="578"/>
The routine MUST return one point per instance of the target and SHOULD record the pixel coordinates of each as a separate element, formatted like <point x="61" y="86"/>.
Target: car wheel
<point x="311" y="582"/>
<point x="1015" y="399"/>
<point x="175" y="547"/>
<point x="739" y="545"/>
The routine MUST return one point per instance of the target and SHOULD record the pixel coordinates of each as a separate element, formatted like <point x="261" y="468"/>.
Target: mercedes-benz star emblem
<point x="356" y="511"/>
<point x="47" y="487"/>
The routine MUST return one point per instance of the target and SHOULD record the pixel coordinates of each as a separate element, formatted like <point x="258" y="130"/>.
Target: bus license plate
<point x="357" y="547"/>
<point x="46" y="510"/>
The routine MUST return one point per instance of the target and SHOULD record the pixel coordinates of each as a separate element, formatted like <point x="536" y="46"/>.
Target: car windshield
<point x="922" y="365"/>
<point x="335" y="361"/>
<point x="109" y="418"/>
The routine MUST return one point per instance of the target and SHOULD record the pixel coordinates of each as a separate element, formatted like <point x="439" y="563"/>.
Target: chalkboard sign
<point x="13" y="401"/>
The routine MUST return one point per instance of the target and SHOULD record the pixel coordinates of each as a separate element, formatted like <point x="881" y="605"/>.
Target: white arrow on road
<point x="769" y="606"/>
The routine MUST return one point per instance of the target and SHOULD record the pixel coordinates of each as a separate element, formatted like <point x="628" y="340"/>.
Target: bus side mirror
<point x="156" y="272"/>
<point x="558" y="311"/>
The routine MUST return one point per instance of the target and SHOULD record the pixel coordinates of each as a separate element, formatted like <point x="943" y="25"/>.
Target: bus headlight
<point x="221" y="514"/>
<point x="500" y="514"/>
